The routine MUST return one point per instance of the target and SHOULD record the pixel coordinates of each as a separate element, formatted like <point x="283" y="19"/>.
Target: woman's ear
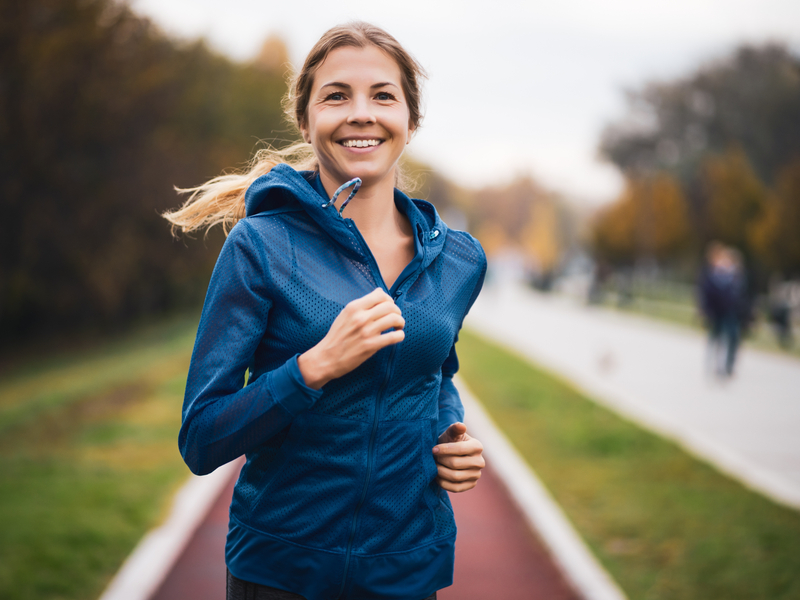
<point x="304" y="133"/>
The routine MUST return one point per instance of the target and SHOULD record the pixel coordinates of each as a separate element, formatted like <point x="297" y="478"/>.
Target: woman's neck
<point x="372" y="209"/>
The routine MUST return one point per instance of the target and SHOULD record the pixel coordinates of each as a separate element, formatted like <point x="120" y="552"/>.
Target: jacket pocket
<point x="311" y="498"/>
<point x="396" y="516"/>
<point x="275" y="467"/>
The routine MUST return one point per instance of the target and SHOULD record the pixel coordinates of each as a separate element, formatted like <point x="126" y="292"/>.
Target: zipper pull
<point x="434" y="234"/>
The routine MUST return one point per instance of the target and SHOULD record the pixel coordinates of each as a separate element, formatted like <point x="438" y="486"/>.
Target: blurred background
<point x="618" y="139"/>
<point x="627" y="156"/>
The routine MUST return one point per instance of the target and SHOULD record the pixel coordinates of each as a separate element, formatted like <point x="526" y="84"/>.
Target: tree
<point x="750" y="99"/>
<point x="540" y="238"/>
<point x="736" y="199"/>
<point x="776" y="236"/>
<point x="101" y="115"/>
<point x="273" y="57"/>
<point x="650" y="219"/>
<point x="613" y="233"/>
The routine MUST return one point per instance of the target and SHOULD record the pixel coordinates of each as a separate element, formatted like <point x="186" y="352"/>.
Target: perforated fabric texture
<point x="346" y="470"/>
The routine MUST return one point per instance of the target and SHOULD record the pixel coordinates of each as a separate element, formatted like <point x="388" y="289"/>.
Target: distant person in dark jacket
<point x="722" y="297"/>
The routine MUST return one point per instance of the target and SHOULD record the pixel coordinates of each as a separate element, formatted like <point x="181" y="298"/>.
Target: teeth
<point x="360" y="143"/>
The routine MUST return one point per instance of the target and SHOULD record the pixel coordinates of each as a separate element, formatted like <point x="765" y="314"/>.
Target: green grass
<point x="88" y="460"/>
<point x="664" y="524"/>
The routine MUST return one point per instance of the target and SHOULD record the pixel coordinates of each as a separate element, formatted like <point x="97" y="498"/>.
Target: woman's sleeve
<point x="221" y="419"/>
<point x="451" y="410"/>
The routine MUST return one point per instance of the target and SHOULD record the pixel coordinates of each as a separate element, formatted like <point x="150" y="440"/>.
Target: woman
<point x="347" y="320"/>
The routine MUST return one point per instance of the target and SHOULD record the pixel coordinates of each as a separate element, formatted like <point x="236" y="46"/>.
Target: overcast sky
<point x="515" y="87"/>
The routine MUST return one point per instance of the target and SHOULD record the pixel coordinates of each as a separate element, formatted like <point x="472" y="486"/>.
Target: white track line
<point x="544" y="516"/>
<point x="151" y="561"/>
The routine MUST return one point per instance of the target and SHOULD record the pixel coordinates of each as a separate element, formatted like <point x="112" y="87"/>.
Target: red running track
<point x="497" y="556"/>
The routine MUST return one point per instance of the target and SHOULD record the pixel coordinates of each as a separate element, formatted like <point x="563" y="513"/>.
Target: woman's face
<point x="357" y="119"/>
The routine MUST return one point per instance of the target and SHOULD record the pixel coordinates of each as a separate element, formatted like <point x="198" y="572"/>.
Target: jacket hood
<point x="284" y="189"/>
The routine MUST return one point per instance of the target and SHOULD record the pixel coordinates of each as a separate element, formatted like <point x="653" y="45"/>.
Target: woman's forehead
<point x="357" y="66"/>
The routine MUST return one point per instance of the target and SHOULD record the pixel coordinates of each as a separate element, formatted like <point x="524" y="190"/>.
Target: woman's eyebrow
<point x="348" y="86"/>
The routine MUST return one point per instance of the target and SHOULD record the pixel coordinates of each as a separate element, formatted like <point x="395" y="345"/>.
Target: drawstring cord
<point x="355" y="182"/>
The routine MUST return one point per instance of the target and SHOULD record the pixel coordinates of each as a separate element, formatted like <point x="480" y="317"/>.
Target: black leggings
<point x="238" y="589"/>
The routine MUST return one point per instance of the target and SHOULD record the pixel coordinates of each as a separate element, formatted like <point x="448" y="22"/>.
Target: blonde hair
<point x="220" y="201"/>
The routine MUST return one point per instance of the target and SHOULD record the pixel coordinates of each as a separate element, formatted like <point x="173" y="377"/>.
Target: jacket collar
<point x="283" y="188"/>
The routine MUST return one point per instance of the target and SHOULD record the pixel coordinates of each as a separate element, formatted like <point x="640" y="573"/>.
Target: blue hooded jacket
<point x="338" y="497"/>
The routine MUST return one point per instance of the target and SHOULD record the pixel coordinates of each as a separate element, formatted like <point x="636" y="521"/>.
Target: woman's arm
<point x="459" y="456"/>
<point x="221" y="419"/>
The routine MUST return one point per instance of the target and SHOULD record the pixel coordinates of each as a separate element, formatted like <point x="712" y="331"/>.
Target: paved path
<point x="497" y="556"/>
<point x="654" y="373"/>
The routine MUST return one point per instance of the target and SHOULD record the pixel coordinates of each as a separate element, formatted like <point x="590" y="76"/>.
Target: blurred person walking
<point x="349" y="420"/>
<point x="723" y="300"/>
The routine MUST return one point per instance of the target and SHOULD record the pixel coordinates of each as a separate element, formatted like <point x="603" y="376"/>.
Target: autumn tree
<point x="776" y="237"/>
<point x="736" y="199"/>
<point x="749" y="99"/>
<point x="101" y="115"/>
<point x="650" y="219"/>
<point x="725" y="132"/>
<point x="541" y="239"/>
<point x="273" y="56"/>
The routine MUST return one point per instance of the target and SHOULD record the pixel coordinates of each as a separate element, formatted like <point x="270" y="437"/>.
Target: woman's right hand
<point x="354" y="336"/>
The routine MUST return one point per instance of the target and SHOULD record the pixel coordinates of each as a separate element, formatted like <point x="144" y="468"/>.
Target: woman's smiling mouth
<point x="360" y="143"/>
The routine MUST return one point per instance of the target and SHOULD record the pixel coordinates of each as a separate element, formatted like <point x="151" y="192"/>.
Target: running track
<point x="497" y="556"/>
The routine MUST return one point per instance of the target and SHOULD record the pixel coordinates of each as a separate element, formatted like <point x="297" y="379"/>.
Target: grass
<point x="88" y="460"/>
<point x="665" y="525"/>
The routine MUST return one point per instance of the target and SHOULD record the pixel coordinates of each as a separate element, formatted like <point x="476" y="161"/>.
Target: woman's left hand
<point x="459" y="458"/>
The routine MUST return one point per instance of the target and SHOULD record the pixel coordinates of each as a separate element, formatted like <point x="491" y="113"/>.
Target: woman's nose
<point x="361" y="112"/>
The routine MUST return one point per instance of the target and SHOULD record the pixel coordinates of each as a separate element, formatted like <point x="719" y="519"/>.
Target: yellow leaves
<point x="540" y="239"/>
<point x="776" y="235"/>
<point x="273" y="56"/>
<point x="736" y="198"/>
<point x="670" y="215"/>
<point x="493" y="237"/>
<point x="650" y="218"/>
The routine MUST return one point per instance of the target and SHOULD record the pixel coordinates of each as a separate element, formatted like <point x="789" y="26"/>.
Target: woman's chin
<point x="368" y="175"/>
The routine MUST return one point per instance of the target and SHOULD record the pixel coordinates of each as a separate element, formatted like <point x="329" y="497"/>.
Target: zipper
<point x="376" y="272"/>
<point x="375" y="419"/>
<point x="373" y="264"/>
<point x="370" y="458"/>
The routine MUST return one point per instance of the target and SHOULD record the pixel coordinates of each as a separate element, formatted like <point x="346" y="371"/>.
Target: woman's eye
<point x="335" y="96"/>
<point x="384" y="96"/>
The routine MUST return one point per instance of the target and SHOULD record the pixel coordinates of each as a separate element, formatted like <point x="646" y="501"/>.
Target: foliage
<point x="664" y="524"/>
<point x="736" y="199"/>
<point x="726" y="133"/>
<point x="522" y="215"/>
<point x="100" y="116"/>
<point x="650" y="218"/>
<point x="776" y="237"/>
<point x="751" y="98"/>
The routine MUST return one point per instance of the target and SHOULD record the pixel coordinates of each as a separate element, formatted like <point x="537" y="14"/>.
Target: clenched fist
<point x="354" y="336"/>
<point x="459" y="459"/>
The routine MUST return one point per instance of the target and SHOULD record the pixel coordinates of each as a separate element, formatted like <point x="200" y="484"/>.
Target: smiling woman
<point x="349" y="421"/>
